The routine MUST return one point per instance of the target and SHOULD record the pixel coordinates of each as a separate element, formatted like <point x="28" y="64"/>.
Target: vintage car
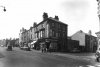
<point x="26" y="48"/>
<point x="9" y="47"/>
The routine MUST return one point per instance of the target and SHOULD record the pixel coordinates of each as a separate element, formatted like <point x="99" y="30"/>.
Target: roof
<point x="97" y="32"/>
<point x="56" y="20"/>
<point x="83" y="32"/>
<point x="50" y="18"/>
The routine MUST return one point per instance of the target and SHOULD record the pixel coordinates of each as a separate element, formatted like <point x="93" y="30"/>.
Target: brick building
<point x="87" y="42"/>
<point x="53" y="32"/>
<point x="23" y="37"/>
<point x="72" y="45"/>
<point x="50" y="31"/>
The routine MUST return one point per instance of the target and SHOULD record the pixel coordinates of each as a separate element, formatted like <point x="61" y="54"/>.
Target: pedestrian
<point x="46" y="49"/>
<point x="50" y="48"/>
<point x="42" y="48"/>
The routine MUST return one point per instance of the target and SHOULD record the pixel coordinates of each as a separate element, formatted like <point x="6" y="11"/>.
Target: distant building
<point x="87" y="42"/>
<point x="23" y="36"/>
<point x="3" y="42"/>
<point x="16" y="42"/>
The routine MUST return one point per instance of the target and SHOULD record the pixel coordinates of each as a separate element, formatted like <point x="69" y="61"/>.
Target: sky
<point x="78" y="14"/>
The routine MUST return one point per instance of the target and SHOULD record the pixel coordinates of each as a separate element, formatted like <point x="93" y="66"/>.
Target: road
<point x="20" y="58"/>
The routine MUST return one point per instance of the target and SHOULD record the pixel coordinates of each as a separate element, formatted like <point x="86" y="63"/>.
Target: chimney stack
<point x="34" y="24"/>
<point x="45" y="16"/>
<point x="56" y="17"/>
<point x="90" y="33"/>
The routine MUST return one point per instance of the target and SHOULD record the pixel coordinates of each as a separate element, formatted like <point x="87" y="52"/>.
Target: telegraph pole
<point x="98" y="33"/>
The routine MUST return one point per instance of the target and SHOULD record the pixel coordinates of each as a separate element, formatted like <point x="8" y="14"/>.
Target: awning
<point x="33" y="42"/>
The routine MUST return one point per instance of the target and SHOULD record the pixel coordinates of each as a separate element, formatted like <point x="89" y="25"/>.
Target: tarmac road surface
<point x="20" y="58"/>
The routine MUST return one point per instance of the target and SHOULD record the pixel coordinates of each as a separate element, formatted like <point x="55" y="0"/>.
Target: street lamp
<point x="98" y="33"/>
<point x="4" y="9"/>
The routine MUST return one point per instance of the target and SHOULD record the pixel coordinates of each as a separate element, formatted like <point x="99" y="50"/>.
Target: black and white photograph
<point x="49" y="33"/>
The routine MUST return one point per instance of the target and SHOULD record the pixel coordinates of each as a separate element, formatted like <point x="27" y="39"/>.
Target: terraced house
<point x="50" y="32"/>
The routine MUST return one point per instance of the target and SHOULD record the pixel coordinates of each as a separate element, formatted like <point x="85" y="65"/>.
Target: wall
<point x="80" y="36"/>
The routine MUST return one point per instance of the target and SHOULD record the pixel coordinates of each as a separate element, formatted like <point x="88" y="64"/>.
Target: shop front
<point x="49" y="44"/>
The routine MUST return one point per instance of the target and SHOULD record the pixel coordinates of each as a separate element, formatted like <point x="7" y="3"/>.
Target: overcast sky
<point x="78" y="14"/>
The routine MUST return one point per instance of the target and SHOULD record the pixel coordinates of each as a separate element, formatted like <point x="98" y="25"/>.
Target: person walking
<point x="50" y="48"/>
<point x="45" y="48"/>
<point x="42" y="48"/>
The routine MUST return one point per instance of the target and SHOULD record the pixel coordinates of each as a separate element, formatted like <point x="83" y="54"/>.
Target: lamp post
<point x="98" y="33"/>
<point x="4" y="9"/>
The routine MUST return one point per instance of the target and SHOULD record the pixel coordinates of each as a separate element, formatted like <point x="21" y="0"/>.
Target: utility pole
<point x="98" y="33"/>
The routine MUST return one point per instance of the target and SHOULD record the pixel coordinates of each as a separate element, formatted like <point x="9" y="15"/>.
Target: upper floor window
<point x="31" y="30"/>
<point x="64" y="34"/>
<point x="53" y="24"/>
<point x="43" y="25"/>
<point x="56" y="34"/>
<point x="31" y="36"/>
<point x="43" y="33"/>
<point x="59" y="25"/>
<point x="53" y="33"/>
<point x="50" y="32"/>
<point x="64" y="28"/>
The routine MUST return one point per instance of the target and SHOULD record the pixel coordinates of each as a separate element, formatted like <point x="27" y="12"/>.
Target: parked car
<point x="75" y="50"/>
<point x="9" y="48"/>
<point x="26" y="48"/>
